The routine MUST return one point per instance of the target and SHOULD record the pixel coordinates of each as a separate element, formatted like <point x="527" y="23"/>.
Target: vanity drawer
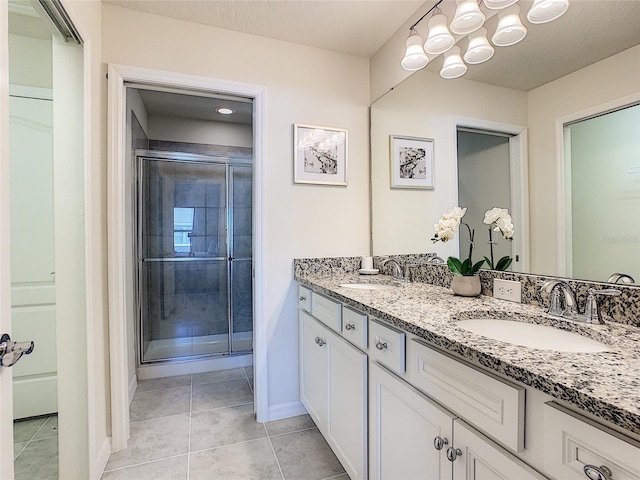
<point x="354" y="327"/>
<point x="492" y="404"/>
<point x="573" y="442"/>
<point x="304" y="298"/>
<point x="387" y="346"/>
<point x="327" y="311"/>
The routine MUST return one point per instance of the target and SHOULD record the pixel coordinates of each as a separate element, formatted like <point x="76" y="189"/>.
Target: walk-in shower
<point x="194" y="243"/>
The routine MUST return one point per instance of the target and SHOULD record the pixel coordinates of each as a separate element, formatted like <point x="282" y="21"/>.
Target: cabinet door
<point x="403" y="426"/>
<point x="479" y="458"/>
<point x="347" y="423"/>
<point x="314" y="368"/>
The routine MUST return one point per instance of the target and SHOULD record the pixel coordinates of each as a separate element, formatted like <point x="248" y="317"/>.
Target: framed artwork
<point x="320" y="155"/>
<point x="411" y="162"/>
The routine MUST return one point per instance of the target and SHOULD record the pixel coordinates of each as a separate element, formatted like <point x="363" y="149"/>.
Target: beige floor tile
<point x="160" y="403"/>
<point x="17" y="449"/>
<point x="153" y="440"/>
<point x="219" y="376"/>
<point x="224" y="426"/>
<point x="244" y="461"/>
<point x="24" y="430"/>
<point x="166" y="382"/>
<point x="305" y="456"/>
<point x="290" y="425"/>
<point x="38" y="460"/>
<point x="168" y="469"/>
<point x="49" y="429"/>
<point x="222" y="394"/>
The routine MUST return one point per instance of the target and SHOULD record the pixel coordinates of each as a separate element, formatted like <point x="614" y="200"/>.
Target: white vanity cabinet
<point x="405" y="429"/>
<point x="333" y="388"/>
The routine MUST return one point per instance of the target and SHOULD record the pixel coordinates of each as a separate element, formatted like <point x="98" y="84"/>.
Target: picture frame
<point x="411" y="162"/>
<point x="320" y="155"/>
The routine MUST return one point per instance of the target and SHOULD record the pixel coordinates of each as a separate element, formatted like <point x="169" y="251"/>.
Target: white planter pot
<point x="466" y="286"/>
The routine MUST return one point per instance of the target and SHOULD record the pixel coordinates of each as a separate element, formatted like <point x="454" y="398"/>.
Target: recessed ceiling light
<point x="225" y="110"/>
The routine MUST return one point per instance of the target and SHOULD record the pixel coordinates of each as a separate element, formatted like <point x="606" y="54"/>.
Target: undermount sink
<point x="367" y="286"/>
<point x="532" y="335"/>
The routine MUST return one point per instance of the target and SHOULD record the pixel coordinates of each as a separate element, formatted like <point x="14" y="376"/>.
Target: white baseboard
<point x="101" y="460"/>
<point x="133" y="385"/>
<point x="286" y="410"/>
<point x="159" y="370"/>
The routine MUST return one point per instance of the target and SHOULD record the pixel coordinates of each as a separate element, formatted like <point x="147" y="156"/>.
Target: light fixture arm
<point x="423" y="16"/>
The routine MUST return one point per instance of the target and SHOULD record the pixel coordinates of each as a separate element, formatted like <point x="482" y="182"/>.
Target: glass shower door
<point x="184" y="277"/>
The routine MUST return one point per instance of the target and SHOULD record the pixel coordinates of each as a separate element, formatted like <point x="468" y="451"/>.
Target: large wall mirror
<point x="549" y="105"/>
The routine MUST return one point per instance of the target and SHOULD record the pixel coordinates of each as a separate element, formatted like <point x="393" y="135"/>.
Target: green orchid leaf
<point x="488" y="263"/>
<point x="476" y="267"/>
<point x="504" y="263"/>
<point x="454" y="265"/>
<point x="466" y="267"/>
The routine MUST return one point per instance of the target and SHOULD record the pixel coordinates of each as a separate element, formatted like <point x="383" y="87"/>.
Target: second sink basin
<point x="367" y="286"/>
<point x="532" y="335"/>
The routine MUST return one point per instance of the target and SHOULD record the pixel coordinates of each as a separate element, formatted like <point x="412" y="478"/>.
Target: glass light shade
<point x="479" y="49"/>
<point x="468" y="17"/>
<point x="510" y="29"/>
<point x="498" y="4"/>
<point x="543" y="11"/>
<point x="414" y="57"/>
<point x="453" y="66"/>
<point x="440" y="39"/>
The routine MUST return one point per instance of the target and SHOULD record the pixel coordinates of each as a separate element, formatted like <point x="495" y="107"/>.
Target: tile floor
<point x="202" y="426"/>
<point x="35" y="446"/>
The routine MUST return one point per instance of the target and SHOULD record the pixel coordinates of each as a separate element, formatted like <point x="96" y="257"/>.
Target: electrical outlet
<point x="507" y="290"/>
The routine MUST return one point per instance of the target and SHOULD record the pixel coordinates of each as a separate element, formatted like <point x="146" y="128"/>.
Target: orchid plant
<point x="498" y="219"/>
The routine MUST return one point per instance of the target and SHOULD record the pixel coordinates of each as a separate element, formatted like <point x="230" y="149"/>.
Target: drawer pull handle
<point x="597" y="473"/>
<point x="302" y="299"/>
<point x="350" y="326"/>
<point x="453" y="453"/>
<point x="440" y="442"/>
<point x="320" y="341"/>
<point x="381" y="346"/>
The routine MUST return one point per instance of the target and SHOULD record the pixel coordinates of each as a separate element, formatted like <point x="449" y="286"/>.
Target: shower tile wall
<point x="242" y="243"/>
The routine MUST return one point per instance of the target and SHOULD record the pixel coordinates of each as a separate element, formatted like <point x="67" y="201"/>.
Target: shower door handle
<point x="11" y="352"/>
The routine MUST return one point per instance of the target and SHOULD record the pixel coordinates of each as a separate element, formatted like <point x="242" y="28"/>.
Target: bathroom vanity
<point x="401" y="391"/>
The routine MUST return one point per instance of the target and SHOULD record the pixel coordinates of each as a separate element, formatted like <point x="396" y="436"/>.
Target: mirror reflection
<point x="559" y="153"/>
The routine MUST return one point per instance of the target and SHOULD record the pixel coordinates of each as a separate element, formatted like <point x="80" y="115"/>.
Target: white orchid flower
<point x="492" y="216"/>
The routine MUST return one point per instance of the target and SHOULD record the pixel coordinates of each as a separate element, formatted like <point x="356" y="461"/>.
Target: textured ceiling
<point x="358" y="27"/>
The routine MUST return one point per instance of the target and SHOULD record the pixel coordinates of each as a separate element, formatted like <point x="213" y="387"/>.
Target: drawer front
<point x="387" y="346"/>
<point x="573" y="442"/>
<point x="327" y="311"/>
<point x="354" y="327"/>
<point x="304" y="298"/>
<point x="486" y="401"/>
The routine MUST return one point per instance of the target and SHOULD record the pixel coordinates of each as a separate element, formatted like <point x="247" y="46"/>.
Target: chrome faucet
<point x="567" y="308"/>
<point x="397" y="268"/>
<point x="620" y="278"/>
<point x="592" y="311"/>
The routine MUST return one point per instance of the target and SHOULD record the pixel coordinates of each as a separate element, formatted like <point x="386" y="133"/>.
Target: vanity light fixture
<point x="468" y="17"/>
<point x="479" y="49"/>
<point x="414" y="58"/>
<point x="543" y="11"/>
<point x="468" y="21"/>
<point x="453" y="66"/>
<point x="225" y="110"/>
<point x="440" y="39"/>
<point x="510" y="29"/>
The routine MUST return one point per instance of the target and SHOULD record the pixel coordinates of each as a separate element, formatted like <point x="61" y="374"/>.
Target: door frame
<point x="519" y="172"/>
<point x="563" y="174"/>
<point x="117" y="238"/>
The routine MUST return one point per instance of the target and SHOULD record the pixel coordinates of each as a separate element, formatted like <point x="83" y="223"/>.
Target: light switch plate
<point x="507" y="290"/>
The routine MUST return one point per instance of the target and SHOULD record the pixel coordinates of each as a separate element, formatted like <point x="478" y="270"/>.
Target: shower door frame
<point x="178" y="157"/>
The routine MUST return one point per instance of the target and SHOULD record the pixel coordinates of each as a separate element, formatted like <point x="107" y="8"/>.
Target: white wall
<point x="607" y="80"/>
<point x="327" y="88"/>
<point x="424" y="107"/>
<point x="31" y="62"/>
<point x="200" y="131"/>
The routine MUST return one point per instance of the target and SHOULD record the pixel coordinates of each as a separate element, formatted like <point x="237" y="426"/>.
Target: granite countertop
<point x="605" y="384"/>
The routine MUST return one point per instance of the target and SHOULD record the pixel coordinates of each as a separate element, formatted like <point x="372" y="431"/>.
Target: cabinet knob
<point x="381" y="346"/>
<point x="453" y="453"/>
<point x="320" y="342"/>
<point x="350" y="326"/>
<point x="302" y="299"/>
<point x="440" y="442"/>
<point x="597" y="473"/>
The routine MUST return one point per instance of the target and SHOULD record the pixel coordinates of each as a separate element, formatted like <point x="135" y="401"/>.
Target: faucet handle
<point x="592" y="311"/>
